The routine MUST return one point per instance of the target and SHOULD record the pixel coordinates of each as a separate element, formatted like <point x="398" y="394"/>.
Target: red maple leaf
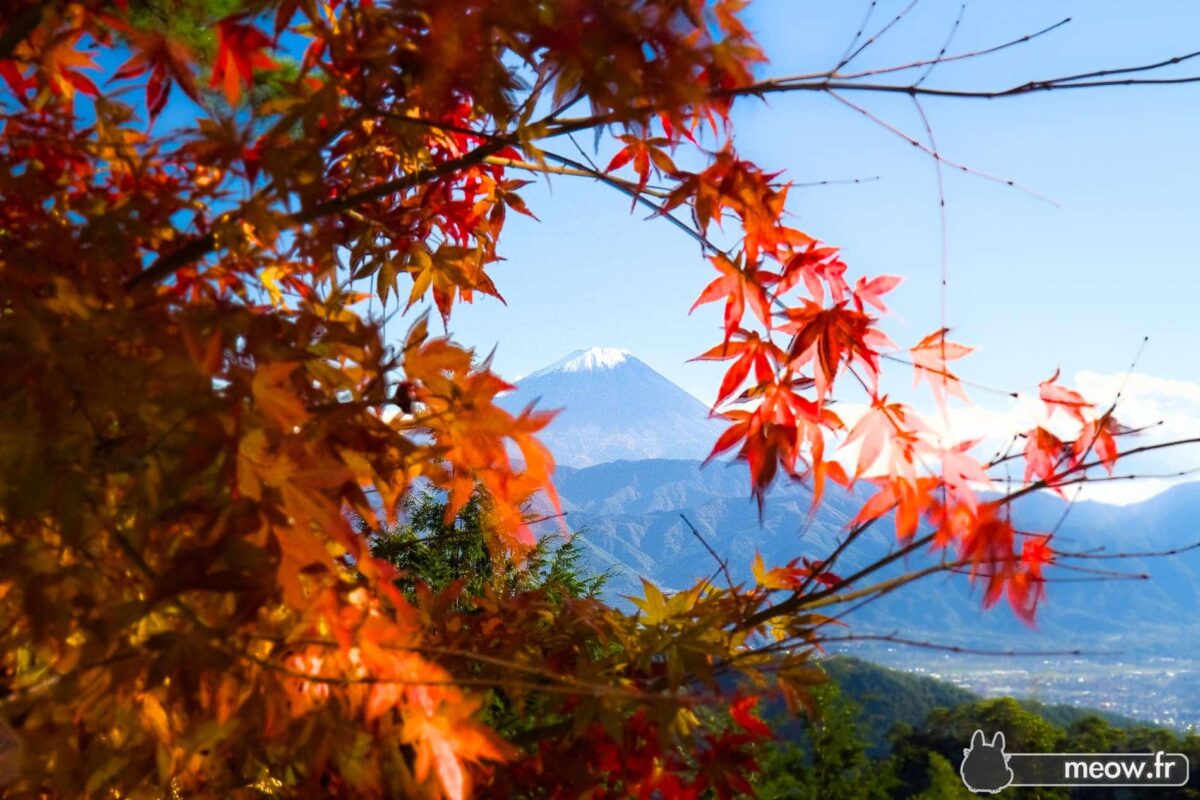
<point x="1043" y="451"/>
<point x="737" y="286"/>
<point x="166" y="60"/>
<point x="872" y="291"/>
<point x="830" y="336"/>
<point x="742" y="712"/>
<point x="960" y="471"/>
<point x="930" y="356"/>
<point x="239" y="52"/>
<point x="814" y="265"/>
<point x="1055" y="397"/>
<point x="62" y="62"/>
<point x="749" y="349"/>
<point x="1097" y="437"/>
<point x="646" y="155"/>
<point x="911" y="497"/>
<point x="1026" y="585"/>
<point x="887" y="424"/>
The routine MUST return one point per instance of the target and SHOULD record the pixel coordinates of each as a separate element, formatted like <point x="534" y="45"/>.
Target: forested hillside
<point x="881" y="733"/>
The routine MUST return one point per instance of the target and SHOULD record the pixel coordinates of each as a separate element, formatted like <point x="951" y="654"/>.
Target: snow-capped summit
<point x="585" y="360"/>
<point x="614" y="407"/>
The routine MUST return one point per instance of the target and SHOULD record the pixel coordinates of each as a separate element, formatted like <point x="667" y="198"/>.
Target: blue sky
<point x="1035" y="286"/>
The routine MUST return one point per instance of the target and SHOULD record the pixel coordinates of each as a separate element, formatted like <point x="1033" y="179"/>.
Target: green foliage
<point x="889" y="696"/>
<point x="1025" y="731"/>
<point x="944" y="781"/>
<point x="885" y="733"/>
<point x="435" y="554"/>
<point x="827" y="759"/>
<point x="948" y="730"/>
<point x="432" y="551"/>
<point x="191" y="22"/>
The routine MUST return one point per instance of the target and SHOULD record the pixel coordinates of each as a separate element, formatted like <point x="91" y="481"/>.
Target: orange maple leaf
<point x="751" y="350"/>
<point x="930" y="356"/>
<point x="239" y="52"/>
<point x="737" y="286"/>
<point x="1056" y="397"/>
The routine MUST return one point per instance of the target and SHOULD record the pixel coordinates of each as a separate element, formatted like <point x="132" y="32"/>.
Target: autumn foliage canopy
<point x="196" y="396"/>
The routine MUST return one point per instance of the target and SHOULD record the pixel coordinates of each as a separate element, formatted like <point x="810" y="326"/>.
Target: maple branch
<point x="1094" y="575"/>
<point x="1082" y="467"/>
<point x="934" y="154"/>
<point x="572" y="172"/>
<point x="1091" y="80"/>
<point x="797" y="601"/>
<point x="370" y="680"/>
<point x="585" y="687"/>
<point x="832" y="81"/>
<point x="878" y="34"/>
<point x="1148" y="554"/>
<point x="723" y="565"/>
<point x="791" y="643"/>
<point x="201" y="246"/>
<point x="638" y="197"/>
<point x="953" y="648"/>
<point x="883" y="587"/>
<point x="944" y="59"/>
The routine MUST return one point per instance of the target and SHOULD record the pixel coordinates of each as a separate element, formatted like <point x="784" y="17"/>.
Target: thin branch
<point x="883" y="587"/>
<point x="724" y="565"/>
<point x="946" y="46"/>
<point x="878" y="35"/>
<point x="834" y="182"/>
<point x="201" y="246"/>
<point x="1146" y="554"/>
<point x="1087" y="80"/>
<point x="956" y="57"/>
<point x="573" y="172"/>
<point x="862" y="28"/>
<point x="934" y="154"/>
<point x="951" y="648"/>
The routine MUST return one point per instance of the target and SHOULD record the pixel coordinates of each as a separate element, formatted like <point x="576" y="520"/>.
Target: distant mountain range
<point x="630" y="440"/>
<point x="632" y="516"/>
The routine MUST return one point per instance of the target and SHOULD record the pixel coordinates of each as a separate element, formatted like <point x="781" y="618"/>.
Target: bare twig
<point x="934" y="154"/>
<point x="722" y="563"/>
<point x="944" y="59"/>
<point x="877" y="35"/>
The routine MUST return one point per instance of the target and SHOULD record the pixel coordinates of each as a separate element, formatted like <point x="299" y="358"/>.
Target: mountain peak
<point x="614" y="406"/>
<point x="587" y="360"/>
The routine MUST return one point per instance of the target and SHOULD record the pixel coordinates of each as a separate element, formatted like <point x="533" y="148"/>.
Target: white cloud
<point x="1145" y="400"/>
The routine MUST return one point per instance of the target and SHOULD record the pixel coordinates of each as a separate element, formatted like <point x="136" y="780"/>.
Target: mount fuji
<point x="614" y="407"/>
